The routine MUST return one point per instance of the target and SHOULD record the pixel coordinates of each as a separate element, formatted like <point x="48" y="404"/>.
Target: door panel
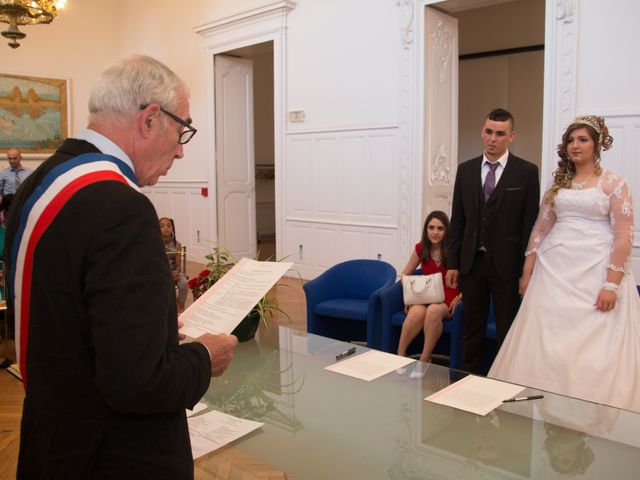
<point x="235" y="177"/>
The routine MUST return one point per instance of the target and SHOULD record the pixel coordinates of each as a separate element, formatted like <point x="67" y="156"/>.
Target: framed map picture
<point x="33" y="113"/>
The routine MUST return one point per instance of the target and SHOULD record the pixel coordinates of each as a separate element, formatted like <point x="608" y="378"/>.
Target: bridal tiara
<point x="597" y="123"/>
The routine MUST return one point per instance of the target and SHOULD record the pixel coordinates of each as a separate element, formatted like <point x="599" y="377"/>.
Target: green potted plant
<point x="218" y="262"/>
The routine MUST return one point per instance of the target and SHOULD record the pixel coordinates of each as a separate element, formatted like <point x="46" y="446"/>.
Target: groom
<point x="495" y="204"/>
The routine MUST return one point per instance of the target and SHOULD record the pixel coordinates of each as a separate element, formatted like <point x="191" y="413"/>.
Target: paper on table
<point x="197" y="408"/>
<point x="214" y="429"/>
<point x="369" y="365"/>
<point x="221" y="308"/>
<point x="475" y="394"/>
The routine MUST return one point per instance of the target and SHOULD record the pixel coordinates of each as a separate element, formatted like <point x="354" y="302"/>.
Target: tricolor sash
<point x="38" y="212"/>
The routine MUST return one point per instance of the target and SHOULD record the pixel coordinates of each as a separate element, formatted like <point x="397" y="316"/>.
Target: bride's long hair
<point x="566" y="171"/>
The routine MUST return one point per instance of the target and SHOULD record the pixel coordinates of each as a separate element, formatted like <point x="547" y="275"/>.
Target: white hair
<point x="134" y="81"/>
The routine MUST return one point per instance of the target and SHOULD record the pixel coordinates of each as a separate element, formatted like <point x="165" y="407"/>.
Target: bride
<point x="577" y="332"/>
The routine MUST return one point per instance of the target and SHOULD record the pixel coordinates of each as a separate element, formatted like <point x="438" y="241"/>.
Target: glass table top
<point x="323" y="425"/>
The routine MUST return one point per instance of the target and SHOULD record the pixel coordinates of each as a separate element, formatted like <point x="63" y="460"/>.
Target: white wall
<point x="343" y="63"/>
<point x="342" y="168"/>
<point x="608" y="73"/>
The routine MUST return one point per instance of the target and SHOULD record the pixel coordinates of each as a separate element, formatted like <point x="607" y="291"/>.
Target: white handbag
<point x="422" y="289"/>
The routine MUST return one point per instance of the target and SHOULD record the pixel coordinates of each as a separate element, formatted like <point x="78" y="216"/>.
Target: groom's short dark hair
<point x="501" y="115"/>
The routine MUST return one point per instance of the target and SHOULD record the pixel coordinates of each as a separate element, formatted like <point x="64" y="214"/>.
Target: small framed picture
<point x="33" y="113"/>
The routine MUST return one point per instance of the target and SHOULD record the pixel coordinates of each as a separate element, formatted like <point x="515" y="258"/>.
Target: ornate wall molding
<point x="440" y="168"/>
<point x="443" y="49"/>
<point x="565" y="10"/>
<point x="407" y="23"/>
<point x="561" y="52"/>
<point x="409" y="143"/>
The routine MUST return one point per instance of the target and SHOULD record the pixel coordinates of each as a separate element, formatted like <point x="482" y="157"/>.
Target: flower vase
<point x="247" y="328"/>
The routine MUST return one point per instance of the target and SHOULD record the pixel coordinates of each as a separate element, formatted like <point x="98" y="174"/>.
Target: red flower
<point x="204" y="273"/>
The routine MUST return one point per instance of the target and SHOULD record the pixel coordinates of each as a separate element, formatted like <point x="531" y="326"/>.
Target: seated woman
<point x="431" y="254"/>
<point x="173" y="248"/>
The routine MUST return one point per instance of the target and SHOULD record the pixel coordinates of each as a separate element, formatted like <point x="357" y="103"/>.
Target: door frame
<point x="250" y="27"/>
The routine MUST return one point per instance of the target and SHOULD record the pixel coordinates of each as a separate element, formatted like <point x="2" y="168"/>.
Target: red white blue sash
<point x="38" y="212"/>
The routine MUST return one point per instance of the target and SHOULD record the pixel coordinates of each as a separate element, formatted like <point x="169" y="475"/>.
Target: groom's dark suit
<point x="487" y="244"/>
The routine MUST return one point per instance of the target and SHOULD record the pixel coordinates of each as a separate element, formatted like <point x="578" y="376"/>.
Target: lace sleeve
<point x="621" y="221"/>
<point x="544" y="223"/>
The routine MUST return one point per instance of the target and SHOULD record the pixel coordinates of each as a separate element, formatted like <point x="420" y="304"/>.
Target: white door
<point x="441" y="110"/>
<point x="235" y="178"/>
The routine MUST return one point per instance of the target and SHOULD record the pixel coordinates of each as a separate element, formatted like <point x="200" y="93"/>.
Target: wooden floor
<point x="229" y="464"/>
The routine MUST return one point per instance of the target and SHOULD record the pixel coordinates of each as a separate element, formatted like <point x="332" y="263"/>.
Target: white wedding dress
<point x="559" y="342"/>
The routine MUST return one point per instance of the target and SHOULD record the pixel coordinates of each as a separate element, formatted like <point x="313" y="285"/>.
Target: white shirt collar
<point x="502" y="160"/>
<point x="105" y="145"/>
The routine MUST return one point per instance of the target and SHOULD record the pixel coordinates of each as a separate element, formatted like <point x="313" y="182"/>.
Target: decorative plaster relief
<point x="441" y="168"/>
<point x="565" y="10"/>
<point x="407" y="25"/>
<point x="442" y="48"/>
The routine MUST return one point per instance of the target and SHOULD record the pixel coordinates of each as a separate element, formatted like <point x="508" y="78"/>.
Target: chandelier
<point x="26" y="12"/>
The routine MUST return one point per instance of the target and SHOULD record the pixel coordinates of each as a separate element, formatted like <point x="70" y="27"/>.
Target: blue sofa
<point x="389" y="315"/>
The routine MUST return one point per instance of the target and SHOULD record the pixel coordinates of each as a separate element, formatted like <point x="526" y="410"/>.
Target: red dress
<point x="430" y="267"/>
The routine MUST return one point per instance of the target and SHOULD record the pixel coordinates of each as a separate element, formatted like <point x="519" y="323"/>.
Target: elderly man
<point x="13" y="176"/>
<point x="106" y="380"/>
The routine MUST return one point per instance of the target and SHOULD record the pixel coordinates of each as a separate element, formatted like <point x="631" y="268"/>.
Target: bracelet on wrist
<point x="611" y="287"/>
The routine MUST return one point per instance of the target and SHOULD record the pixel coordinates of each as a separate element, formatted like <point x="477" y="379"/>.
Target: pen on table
<point x="520" y="399"/>
<point x="346" y="353"/>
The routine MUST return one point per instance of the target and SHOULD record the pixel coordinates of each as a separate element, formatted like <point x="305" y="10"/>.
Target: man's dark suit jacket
<point x="511" y="211"/>
<point x="107" y="383"/>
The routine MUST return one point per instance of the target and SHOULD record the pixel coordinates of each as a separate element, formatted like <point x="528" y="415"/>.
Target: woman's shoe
<point x="419" y="371"/>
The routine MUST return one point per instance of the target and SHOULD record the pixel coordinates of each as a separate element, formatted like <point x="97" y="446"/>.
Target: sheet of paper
<point x="221" y="308"/>
<point x="369" y="365"/>
<point x="475" y="394"/>
<point x="197" y="408"/>
<point x="214" y="429"/>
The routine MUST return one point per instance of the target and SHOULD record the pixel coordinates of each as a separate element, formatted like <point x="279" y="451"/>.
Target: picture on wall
<point x="33" y="113"/>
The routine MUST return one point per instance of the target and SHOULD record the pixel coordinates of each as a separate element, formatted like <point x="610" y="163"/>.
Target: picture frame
<point x="34" y="114"/>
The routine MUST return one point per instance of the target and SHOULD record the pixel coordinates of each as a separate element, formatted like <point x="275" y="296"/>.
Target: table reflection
<point x="320" y="424"/>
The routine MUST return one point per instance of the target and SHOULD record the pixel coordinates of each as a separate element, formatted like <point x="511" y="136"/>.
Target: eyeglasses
<point x="188" y="132"/>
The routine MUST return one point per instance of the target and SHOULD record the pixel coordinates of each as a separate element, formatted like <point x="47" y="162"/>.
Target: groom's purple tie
<point x="490" y="181"/>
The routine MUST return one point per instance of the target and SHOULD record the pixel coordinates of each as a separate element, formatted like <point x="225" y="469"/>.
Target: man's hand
<point x="451" y="279"/>
<point x="454" y="304"/>
<point x="523" y="283"/>
<point x="181" y="336"/>
<point x="221" y="349"/>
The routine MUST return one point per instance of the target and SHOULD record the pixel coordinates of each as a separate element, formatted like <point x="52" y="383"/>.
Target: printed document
<point x="369" y="365"/>
<point x="221" y="308"/>
<point x="214" y="429"/>
<point x="474" y="394"/>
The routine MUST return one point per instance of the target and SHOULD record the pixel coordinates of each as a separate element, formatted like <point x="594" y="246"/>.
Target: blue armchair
<point x="340" y="301"/>
<point x="389" y="315"/>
